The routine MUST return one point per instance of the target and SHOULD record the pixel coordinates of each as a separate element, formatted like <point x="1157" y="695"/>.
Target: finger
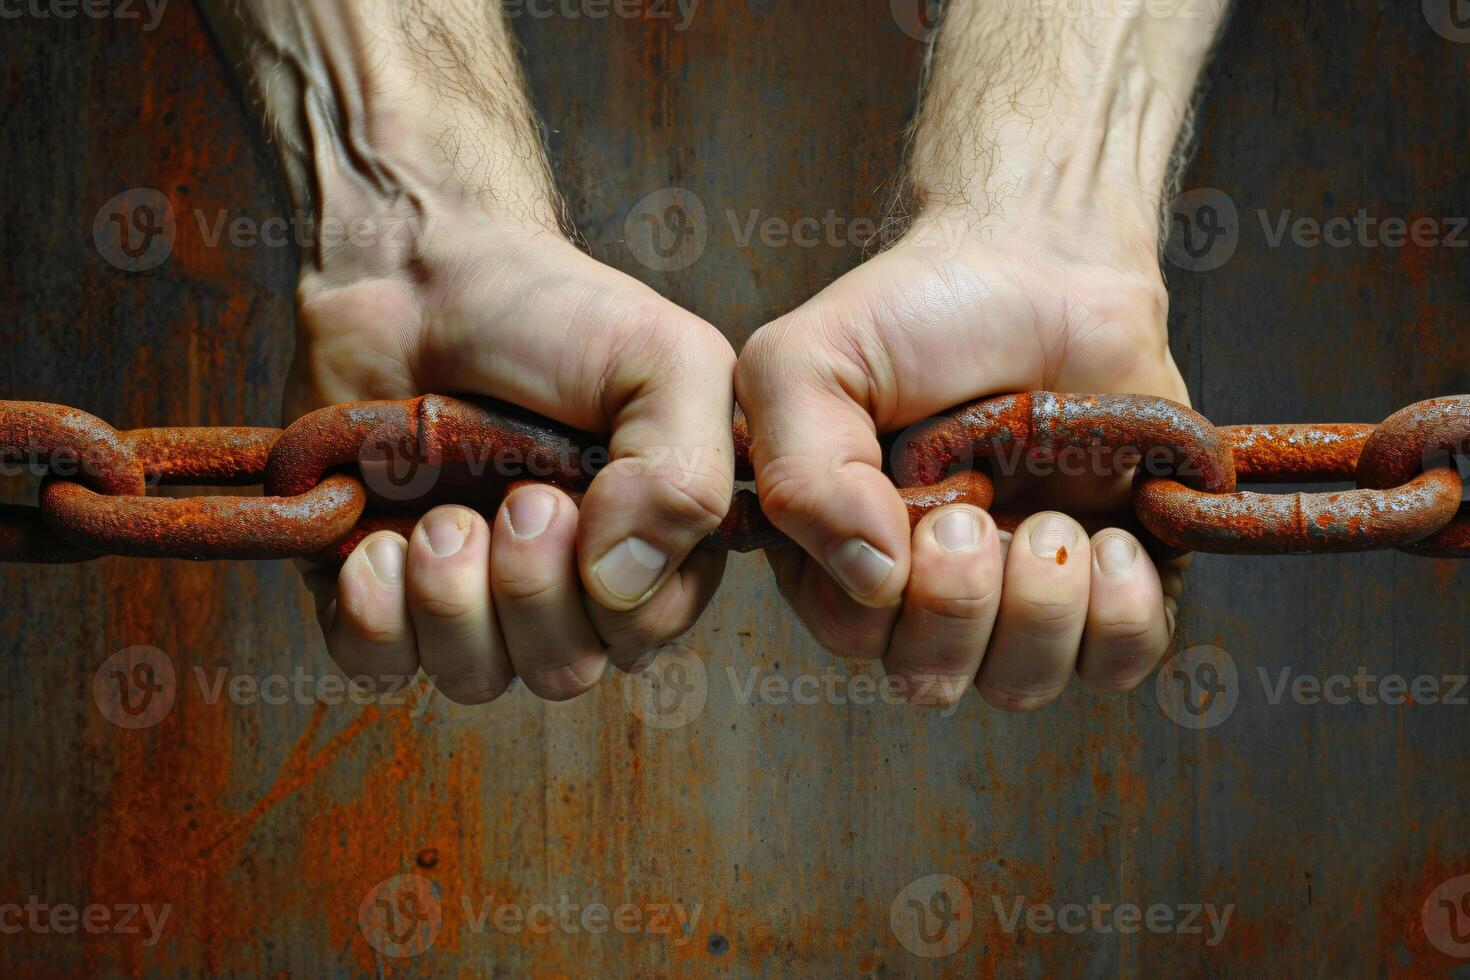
<point x="673" y="463"/>
<point x="633" y="637"/>
<point x="835" y="619"/>
<point x="1126" y="630"/>
<point x="950" y="606"/>
<point x="371" y="638"/>
<point x="538" y="597"/>
<point x="1043" y="608"/>
<point x="592" y="347"/>
<point x="818" y="464"/>
<point x="448" y="587"/>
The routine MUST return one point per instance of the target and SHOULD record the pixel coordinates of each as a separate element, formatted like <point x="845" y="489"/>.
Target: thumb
<point x="818" y="464"/>
<point x="670" y="476"/>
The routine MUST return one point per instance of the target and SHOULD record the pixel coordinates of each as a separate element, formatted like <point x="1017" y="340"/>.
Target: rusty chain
<point x="344" y="471"/>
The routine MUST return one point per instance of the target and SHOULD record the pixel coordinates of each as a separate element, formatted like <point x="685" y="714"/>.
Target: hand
<point x="549" y="593"/>
<point x="937" y="321"/>
<point x="1037" y="167"/>
<point x="437" y="266"/>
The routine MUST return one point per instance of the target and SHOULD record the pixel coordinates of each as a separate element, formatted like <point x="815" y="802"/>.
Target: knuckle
<point x="456" y="603"/>
<point x="1017" y="696"/>
<point x="788" y="497"/>
<point x="371" y="624"/>
<point x="963" y="608"/>
<point x="930" y="689"/>
<point x="480" y="687"/>
<point x="560" y="682"/>
<point x="527" y="588"/>
<point x="660" y="621"/>
<point x="1046" y="620"/>
<point x="694" y="499"/>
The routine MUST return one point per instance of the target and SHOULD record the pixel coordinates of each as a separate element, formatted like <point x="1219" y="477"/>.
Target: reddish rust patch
<point x="1062" y="555"/>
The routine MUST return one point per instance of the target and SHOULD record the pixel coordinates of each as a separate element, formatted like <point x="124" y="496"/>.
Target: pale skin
<point x="1037" y="166"/>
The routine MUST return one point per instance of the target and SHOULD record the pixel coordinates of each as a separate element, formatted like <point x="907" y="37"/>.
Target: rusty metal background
<point x="797" y="832"/>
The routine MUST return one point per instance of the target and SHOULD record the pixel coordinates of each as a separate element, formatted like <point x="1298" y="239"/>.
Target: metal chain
<point x="344" y="471"/>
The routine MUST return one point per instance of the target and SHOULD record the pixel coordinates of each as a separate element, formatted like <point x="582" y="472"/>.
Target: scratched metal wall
<point x="796" y="839"/>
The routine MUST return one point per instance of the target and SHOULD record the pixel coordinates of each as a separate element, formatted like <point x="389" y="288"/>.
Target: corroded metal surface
<point x="793" y="827"/>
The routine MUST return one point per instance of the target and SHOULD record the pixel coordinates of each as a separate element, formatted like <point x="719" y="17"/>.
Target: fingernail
<point x="957" y="531"/>
<point x="1115" y="556"/>
<point x="860" y="568"/>
<point x="385" y="558"/>
<point x="1051" y="536"/>
<point x="446" y="530"/>
<point x="529" y="511"/>
<point x="629" y="570"/>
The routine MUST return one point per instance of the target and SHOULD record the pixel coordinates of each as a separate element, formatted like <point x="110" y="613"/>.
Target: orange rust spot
<point x="1061" y="556"/>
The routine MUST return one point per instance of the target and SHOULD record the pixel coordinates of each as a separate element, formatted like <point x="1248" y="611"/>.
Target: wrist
<point x="390" y="121"/>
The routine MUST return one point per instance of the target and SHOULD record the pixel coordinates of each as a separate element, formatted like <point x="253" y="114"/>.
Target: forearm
<point x="1045" y="107"/>
<point x="391" y="104"/>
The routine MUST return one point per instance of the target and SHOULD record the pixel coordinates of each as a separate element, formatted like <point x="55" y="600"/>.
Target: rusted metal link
<point x="1427" y="434"/>
<point x="414" y="453"/>
<point x="1013" y="432"/>
<point x="1297" y="523"/>
<point x="71" y="442"/>
<point x="490" y="437"/>
<point x="205" y="527"/>
<point x="1295" y="452"/>
<point x="230" y="456"/>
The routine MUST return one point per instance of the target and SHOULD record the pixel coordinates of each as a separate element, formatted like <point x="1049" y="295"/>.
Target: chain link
<point x="344" y="471"/>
